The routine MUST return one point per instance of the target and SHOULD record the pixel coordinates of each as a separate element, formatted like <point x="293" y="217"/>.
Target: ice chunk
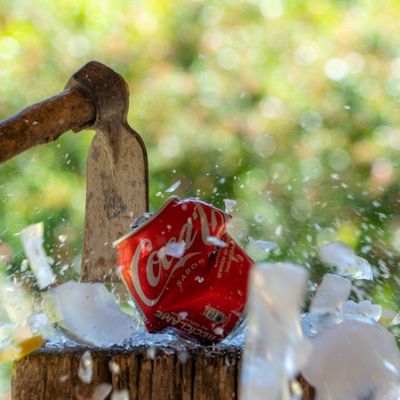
<point x="20" y="349"/>
<point x="229" y="205"/>
<point x="364" y="308"/>
<point x="151" y="353"/>
<point x="32" y="241"/>
<point x="351" y="361"/>
<point x="330" y="305"/>
<point x="38" y="322"/>
<point x="101" y="391"/>
<point x="315" y="322"/>
<point x="90" y="314"/>
<point x="216" y="241"/>
<point x="341" y="256"/>
<point x="85" y="369"/>
<point x="15" y="301"/>
<point x="173" y="187"/>
<point x="183" y="356"/>
<point x="114" y="368"/>
<point x="275" y="348"/>
<point x="336" y="253"/>
<point x="175" y="249"/>
<point x="331" y="294"/>
<point x="120" y="395"/>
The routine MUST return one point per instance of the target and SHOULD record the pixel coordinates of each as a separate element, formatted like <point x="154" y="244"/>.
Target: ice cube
<point x="330" y="305"/>
<point x="275" y="347"/>
<point x="229" y="205"/>
<point x="32" y="241"/>
<point x="364" y="308"/>
<point x="317" y="321"/>
<point x="341" y="256"/>
<point x="91" y="315"/>
<point x="350" y="361"/>
<point x="175" y="249"/>
<point x="85" y="369"/>
<point x="173" y="187"/>
<point x="101" y="391"/>
<point x="331" y="294"/>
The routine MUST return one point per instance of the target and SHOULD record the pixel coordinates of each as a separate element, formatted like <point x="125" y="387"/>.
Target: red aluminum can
<point x="201" y="293"/>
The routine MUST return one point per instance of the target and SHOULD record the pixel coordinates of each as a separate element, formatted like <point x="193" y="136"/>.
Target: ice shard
<point x="32" y="241"/>
<point x="347" y="263"/>
<point x="355" y="359"/>
<point x="275" y="347"/>
<point x="90" y="314"/>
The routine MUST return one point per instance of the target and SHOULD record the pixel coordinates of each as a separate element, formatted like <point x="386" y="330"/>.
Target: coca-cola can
<point x="201" y="292"/>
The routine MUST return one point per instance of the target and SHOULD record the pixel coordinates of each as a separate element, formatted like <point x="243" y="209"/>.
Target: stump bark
<point x="194" y="374"/>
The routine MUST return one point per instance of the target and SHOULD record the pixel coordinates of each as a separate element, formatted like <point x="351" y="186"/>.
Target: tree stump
<point x="164" y="373"/>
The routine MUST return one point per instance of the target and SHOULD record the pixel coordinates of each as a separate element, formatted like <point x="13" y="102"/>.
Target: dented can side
<point x="201" y="294"/>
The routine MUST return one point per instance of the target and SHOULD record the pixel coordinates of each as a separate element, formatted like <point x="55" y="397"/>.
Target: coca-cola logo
<point x="160" y="269"/>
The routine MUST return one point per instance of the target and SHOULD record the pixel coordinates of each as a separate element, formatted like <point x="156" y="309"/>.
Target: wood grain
<point x="202" y="375"/>
<point x="45" y="121"/>
<point x="116" y="194"/>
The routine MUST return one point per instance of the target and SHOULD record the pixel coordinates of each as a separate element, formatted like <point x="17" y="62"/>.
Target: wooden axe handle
<point x="46" y="121"/>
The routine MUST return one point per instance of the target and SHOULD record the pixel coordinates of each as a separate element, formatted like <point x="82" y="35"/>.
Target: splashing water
<point x="265" y="245"/>
<point x="175" y="249"/>
<point x="216" y="241"/>
<point x="229" y="205"/>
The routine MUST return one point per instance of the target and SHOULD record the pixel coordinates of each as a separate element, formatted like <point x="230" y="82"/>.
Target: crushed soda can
<point x="199" y="289"/>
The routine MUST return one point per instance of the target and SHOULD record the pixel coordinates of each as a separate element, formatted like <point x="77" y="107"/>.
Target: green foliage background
<point x="289" y="107"/>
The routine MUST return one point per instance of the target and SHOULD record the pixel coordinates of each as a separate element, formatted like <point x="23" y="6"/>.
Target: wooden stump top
<point x="147" y="373"/>
<point x="178" y="372"/>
